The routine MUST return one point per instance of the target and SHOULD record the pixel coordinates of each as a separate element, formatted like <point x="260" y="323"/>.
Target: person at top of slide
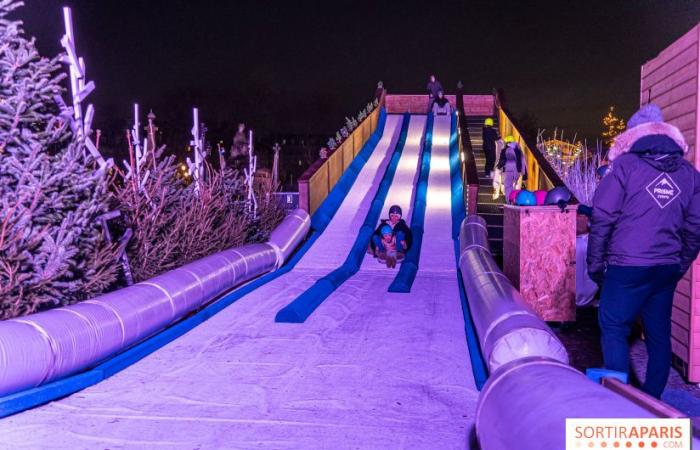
<point x="399" y="230"/>
<point x="433" y="88"/>
<point x="441" y="106"/>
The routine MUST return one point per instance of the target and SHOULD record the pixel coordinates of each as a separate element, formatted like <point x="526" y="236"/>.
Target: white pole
<point x="136" y="135"/>
<point x="80" y="124"/>
<point x="196" y="167"/>
<point x="74" y="74"/>
<point x="250" y="174"/>
<point x="275" y="164"/>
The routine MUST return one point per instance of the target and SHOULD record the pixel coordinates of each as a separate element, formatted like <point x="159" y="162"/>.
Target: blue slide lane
<point x="458" y="215"/>
<point x="409" y="267"/>
<point x="305" y="304"/>
<point x="20" y="401"/>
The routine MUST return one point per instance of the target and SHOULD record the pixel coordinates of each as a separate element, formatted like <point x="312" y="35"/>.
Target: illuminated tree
<point x="52" y="248"/>
<point x="612" y="126"/>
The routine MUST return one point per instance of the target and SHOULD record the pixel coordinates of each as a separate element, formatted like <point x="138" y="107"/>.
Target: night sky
<point x="301" y="66"/>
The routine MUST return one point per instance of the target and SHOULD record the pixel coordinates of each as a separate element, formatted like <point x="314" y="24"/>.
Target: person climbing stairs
<point x="488" y="208"/>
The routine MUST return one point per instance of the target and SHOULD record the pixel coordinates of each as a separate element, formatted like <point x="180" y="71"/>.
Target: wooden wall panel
<point x="348" y="152"/>
<point x="671" y="81"/>
<point x="318" y="188"/>
<point x="335" y="167"/>
<point x="672" y="50"/>
<point x="681" y="65"/>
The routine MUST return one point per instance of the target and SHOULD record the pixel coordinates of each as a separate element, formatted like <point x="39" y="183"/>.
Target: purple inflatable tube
<point x="49" y="345"/>
<point x="506" y="327"/>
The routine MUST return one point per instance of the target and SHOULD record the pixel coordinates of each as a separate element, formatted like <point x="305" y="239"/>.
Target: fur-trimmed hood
<point x="645" y="122"/>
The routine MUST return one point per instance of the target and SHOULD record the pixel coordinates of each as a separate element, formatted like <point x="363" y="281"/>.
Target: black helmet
<point x="395" y="209"/>
<point x="557" y="196"/>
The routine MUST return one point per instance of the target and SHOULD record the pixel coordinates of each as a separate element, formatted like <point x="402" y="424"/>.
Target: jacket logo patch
<point x="663" y="190"/>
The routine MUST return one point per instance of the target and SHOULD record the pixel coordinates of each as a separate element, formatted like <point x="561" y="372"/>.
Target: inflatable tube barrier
<point x="525" y="404"/>
<point x="506" y="328"/>
<point x="409" y="267"/>
<point x="13" y="403"/>
<point x="49" y="345"/>
<point x="458" y="212"/>
<point x="305" y="304"/>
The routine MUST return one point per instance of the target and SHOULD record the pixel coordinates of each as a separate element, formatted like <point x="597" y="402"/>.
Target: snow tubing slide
<point x="305" y="304"/>
<point x="409" y="267"/>
<point x="21" y="368"/>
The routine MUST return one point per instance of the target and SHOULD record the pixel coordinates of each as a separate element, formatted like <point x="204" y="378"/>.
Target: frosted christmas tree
<point x="52" y="191"/>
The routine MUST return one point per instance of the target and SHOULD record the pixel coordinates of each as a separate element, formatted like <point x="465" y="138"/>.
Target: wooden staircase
<point x="491" y="210"/>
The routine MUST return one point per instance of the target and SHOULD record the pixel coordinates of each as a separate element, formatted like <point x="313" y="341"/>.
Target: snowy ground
<point x="368" y="369"/>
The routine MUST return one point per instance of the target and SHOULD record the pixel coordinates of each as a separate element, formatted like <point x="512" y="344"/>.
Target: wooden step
<point x="495" y="232"/>
<point x="492" y="219"/>
<point x="485" y="208"/>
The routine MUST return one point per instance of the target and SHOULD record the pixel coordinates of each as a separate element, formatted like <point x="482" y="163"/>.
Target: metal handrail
<point x="541" y="164"/>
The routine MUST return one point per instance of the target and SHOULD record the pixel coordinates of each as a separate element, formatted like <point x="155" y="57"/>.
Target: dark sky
<point x="301" y="66"/>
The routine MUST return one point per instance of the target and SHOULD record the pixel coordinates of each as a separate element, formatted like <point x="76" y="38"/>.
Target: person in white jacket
<point x="442" y="105"/>
<point x="512" y="166"/>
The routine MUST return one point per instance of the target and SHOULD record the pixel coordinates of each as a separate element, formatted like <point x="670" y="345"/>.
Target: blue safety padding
<point x="458" y="213"/>
<point x="30" y="398"/>
<point x="304" y="305"/>
<point x="409" y="267"/>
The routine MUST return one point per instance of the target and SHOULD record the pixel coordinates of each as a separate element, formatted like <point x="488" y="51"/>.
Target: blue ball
<point x="526" y="198"/>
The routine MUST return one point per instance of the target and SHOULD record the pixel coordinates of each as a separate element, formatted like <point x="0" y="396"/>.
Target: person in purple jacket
<point x="644" y="235"/>
<point x="433" y="88"/>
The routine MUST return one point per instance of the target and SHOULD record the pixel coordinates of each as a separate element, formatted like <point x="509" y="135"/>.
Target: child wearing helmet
<point x="512" y="164"/>
<point x="490" y="136"/>
<point x="389" y="253"/>
<point x="401" y="238"/>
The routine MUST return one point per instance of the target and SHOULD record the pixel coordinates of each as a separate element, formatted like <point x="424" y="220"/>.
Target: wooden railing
<point x="318" y="180"/>
<point x="470" y="174"/>
<point x="541" y="175"/>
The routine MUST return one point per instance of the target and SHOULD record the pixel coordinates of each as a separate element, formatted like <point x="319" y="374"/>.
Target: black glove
<point x="597" y="277"/>
<point x="525" y="177"/>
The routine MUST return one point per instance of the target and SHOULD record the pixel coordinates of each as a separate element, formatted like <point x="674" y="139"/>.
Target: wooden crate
<point x="539" y="258"/>
<point x="670" y="80"/>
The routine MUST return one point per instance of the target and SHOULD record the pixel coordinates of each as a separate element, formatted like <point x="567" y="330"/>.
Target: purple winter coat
<point x="646" y="212"/>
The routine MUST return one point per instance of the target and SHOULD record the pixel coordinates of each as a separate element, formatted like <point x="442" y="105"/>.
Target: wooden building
<point x="671" y="81"/>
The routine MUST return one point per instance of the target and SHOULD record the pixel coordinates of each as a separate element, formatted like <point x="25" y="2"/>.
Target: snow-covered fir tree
<point x="52" y="251"/>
